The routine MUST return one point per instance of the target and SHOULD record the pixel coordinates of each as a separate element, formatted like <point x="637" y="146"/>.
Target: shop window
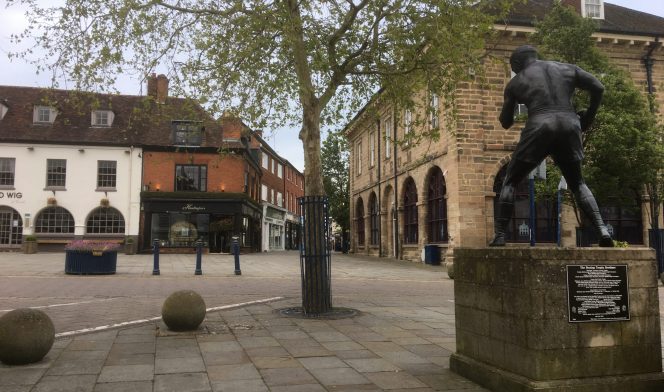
<point x="187" y="133"/>
<point x="437" y="208"/>
<point x="54" y="220"/>
<point x="176" y="229"/>
<point x="106" y="174"/>
<point x="7" y="167"/>
<point x="410" y="212"/>
<point x="105" y="220"/>
<point x="276" y="232"/>
<point x="56" y="173"/>
<point x="191" y="178"/>
<point x="374" y="217"/>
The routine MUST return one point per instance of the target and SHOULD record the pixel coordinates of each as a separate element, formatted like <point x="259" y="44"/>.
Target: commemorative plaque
<point x="597" y="293"/>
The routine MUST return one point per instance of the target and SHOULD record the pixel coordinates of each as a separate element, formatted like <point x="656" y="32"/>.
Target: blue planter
<point x="85" y="263"/>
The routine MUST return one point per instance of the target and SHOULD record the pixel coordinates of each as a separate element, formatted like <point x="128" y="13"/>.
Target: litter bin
<point x="431" y="254"/>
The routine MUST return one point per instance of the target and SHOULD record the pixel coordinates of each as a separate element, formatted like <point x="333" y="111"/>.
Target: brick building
<point x="85" y="165"/>
<point x="281" y="185"/>
<point x="404" y="197"/>
<point x="200" y="179"/>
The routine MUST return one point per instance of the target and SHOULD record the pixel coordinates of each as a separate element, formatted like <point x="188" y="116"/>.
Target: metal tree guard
<point x="315" y="255"/>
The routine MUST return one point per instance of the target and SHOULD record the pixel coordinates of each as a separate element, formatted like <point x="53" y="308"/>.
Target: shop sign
<point x="276" y="214"/>
<point x="11" y="195"/>
<point x="191" y="207"/>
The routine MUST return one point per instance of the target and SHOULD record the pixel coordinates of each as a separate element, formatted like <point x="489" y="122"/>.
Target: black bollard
<point x="155" y="253"/>
<point x="236" y="253"/>
<point x="199" y="250"/>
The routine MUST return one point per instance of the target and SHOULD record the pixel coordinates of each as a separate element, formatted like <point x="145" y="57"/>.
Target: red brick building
<point x="281" y="185"/>
<point x="200" y="182"/>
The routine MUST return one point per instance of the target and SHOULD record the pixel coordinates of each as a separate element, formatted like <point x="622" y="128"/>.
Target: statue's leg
<point x="586" y="201"/>
<point x="516" y="171"/>
<point x="503" y="214"/>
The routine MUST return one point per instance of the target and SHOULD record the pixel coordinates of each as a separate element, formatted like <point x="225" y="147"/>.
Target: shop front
<point x="292" y="232"/>
<point x="273" y="229"/>
<point x="179" y="224"/>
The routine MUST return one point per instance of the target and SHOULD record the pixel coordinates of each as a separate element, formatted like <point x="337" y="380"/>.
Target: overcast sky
<point x="284" y="141"/>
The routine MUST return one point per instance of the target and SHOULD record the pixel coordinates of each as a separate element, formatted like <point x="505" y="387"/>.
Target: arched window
<point x="359" y="215"/>
<point x="105" y="220"/>
<point x="410" y="212"/>
<point x="546" y="219"/>
<point x="54" y="220"/>
<point x="437" y="207"/>
<point x="374" y="217"/>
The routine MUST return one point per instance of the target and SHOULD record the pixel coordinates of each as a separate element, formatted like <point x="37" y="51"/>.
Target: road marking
<point x="148" y="320"/>
<point x="65" y="304"/>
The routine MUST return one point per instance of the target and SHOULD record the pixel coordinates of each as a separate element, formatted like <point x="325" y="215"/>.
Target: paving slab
<point x="400" y="341"/>
<point x="191" y="382"/>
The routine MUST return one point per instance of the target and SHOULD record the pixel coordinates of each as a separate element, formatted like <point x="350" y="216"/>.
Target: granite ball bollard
<point x="26" y="336"/>
<point x="183" y="310"/>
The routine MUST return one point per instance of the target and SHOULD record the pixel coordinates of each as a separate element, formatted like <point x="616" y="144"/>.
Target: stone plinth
<point x="513" y="332"/>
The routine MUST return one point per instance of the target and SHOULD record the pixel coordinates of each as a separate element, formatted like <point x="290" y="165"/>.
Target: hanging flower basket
<point x="91" y="257"/>
<point x="51" y="201"/>
<point x="104" y="202"/>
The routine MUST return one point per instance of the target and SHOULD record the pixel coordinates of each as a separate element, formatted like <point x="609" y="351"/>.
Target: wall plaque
<point x="597" y="293"/>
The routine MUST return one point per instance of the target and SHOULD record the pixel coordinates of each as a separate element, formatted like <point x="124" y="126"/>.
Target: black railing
<point x="315" y="255"/>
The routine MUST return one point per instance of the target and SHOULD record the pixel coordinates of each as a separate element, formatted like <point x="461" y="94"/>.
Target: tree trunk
<point x="315" y="255"/>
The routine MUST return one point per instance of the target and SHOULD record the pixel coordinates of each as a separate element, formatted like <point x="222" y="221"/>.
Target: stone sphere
<point x="26" y="336"/>
<point x="183" y="310"/>
<point x="450" y="269"/>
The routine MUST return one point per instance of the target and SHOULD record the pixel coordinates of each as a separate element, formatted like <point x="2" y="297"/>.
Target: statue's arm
<point x="595" y="88"/>
<point x="507" y="113"/>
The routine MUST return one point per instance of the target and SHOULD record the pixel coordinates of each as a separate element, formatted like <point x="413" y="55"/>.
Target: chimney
<point x="576" y="4"/>
<point x="162" y="88"/>
<point x="152" y="85"/>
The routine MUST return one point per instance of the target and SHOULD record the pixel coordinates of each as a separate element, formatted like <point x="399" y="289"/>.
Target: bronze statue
<point x="553" y="128"/>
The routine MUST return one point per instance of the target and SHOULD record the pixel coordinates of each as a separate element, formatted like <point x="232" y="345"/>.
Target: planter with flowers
<point x="86" y="257"/>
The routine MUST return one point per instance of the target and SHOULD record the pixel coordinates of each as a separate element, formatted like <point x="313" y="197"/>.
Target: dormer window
<point x="102" y="118"/>
<point x="44" y="115"/>
<point x="593" y="8"/>
<point x="3" y="110"/>
<point x="187" y="133"/>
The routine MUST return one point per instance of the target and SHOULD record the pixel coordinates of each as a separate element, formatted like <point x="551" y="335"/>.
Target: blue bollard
<point x="155" y="253"/>
<point x="236" y="253"/>
<point x="199" y="250"/>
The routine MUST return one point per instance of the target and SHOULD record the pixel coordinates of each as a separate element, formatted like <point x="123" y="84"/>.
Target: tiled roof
<point x="617" y="19"/>
<point x="139" y="120"/>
